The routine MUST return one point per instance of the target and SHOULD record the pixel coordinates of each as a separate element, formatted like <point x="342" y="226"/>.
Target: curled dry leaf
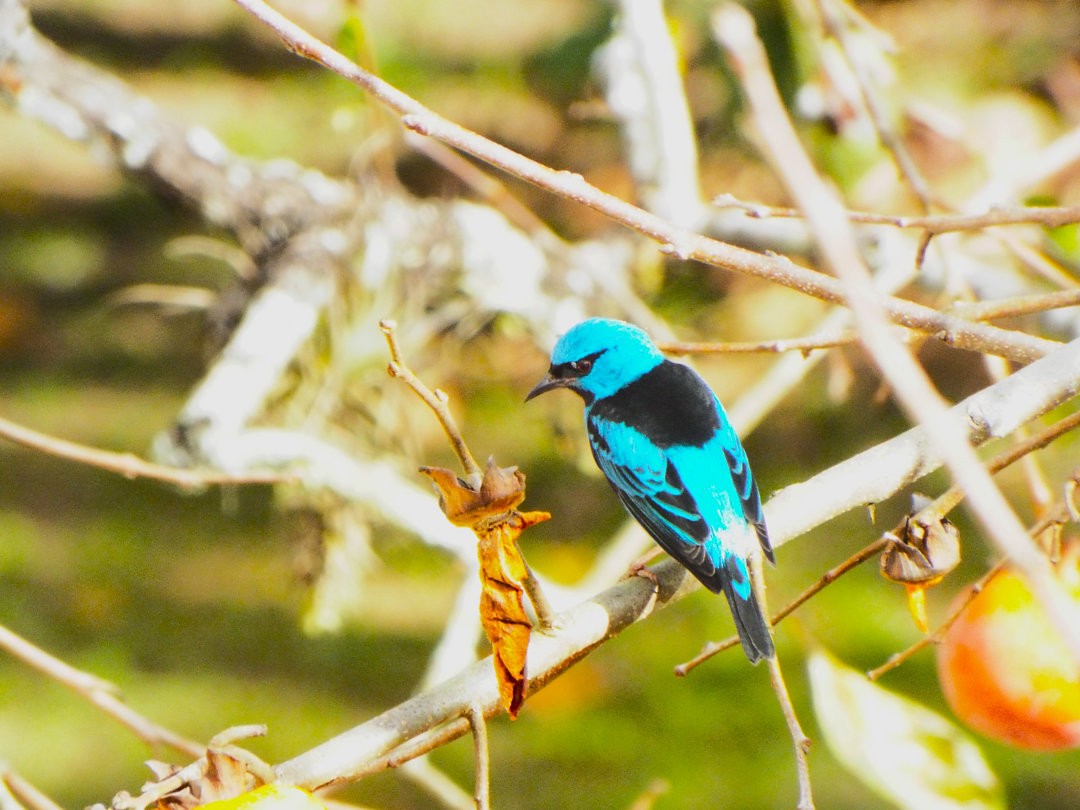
<point x="224" y="772"/>
<point x="922" y="552"/>
<point x="490" y="512"/>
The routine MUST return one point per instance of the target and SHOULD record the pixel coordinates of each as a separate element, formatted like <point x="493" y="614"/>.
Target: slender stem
<point x="480" y="745"/>
<point x="799" y="741"/>
<point x="126" y="464"/>
<point x="436" y="400"/>
<point x="807" y="344"/>
<point x="1048" y="216"/>
<point x="21" y="795"/>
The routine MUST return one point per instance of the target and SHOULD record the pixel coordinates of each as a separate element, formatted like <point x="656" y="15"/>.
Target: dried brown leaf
<point x="489" y="511"/>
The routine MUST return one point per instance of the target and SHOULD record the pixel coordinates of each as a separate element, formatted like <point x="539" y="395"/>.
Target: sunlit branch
<point x="127" y="464"/>
<point x="1049" y="216"/>
<point x="673" y="239"/>
<point x="827" y="219"/>
<point x="99" y="692"/>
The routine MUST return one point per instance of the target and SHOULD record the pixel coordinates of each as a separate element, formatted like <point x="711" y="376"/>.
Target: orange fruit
<point x="1006" y="671"/>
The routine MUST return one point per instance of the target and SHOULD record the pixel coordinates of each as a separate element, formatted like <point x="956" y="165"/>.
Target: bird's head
<point x="598" y="357"/>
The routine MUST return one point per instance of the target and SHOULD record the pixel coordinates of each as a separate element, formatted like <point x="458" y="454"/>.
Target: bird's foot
<point x="639" y="569"/>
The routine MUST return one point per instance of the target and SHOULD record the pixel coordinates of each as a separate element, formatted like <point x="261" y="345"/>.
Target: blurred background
<point x="211" y="609"/>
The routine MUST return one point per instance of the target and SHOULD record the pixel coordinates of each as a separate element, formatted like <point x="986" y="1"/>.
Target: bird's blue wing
<point x="652" y="489"/>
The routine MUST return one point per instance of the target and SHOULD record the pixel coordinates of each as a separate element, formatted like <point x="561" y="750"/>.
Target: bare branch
<point x="1047" y="216"/>
<point x="100" y="693"/>
<point x="735" y="29"/>
<point x="436" y="400"/>
<point x="128" y="464"/>
<point x="672" y="239"/>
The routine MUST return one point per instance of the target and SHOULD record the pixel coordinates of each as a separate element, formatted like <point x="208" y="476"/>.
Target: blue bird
<point x="661" y="437"/>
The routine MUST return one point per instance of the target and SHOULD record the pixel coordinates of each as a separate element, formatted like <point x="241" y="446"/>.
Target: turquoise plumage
<point x="662" y="439"/>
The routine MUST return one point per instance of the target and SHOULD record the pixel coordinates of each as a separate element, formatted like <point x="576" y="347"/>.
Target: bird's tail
<point x="750" y="622"/>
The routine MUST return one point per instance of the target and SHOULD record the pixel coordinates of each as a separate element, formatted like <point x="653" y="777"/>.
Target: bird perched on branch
<point x="661" y="437"/>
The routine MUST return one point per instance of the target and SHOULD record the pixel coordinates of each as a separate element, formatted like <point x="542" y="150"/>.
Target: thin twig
<point x="19" y="789"/>
<point x="972" y="310"/>
<point x="912" y="387"/>
<point x="480" y="746"/>
<point x="1047" y="216"/>
<point x="436" y="400"/>
<point x="799" y="741"/>
<point x="1019" y="305"/>
<point x="673" y="239"/>
<point x="97" y="691"/>
<point x="807" y="344"/>
<point x="829" y="577"/>
<point x="127" y="464"/>
<point x="896" y="659"/>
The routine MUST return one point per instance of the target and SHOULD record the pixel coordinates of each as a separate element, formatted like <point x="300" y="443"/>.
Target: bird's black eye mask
<point x="575" y="369"/>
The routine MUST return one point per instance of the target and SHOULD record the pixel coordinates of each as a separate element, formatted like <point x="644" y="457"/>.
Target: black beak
<point x="548" y="383"/>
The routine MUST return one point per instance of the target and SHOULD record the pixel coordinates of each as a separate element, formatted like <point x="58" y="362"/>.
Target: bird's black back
<point x="670" y="404"/>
